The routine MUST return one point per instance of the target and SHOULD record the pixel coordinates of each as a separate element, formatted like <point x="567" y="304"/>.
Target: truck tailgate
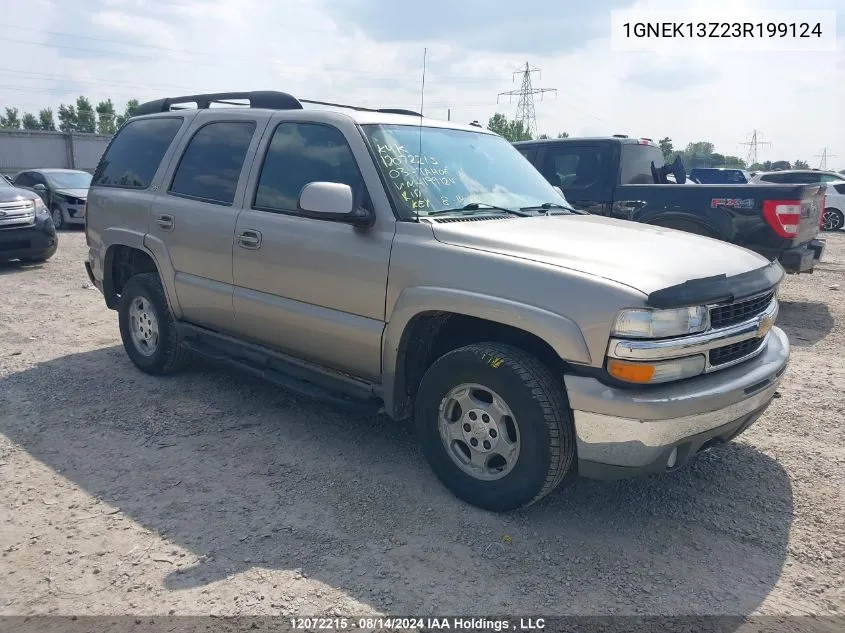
<point x="796" y="217"/>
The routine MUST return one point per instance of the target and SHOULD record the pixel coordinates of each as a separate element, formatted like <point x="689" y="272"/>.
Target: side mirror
<point x="39" y="188"/>
<point x="332" y="201"/>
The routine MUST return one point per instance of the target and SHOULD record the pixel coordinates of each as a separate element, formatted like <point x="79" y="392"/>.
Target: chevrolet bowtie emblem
<point x="765" y="325"/>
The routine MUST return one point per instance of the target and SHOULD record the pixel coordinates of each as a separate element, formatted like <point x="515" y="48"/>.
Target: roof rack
<point x="267" y="99"/>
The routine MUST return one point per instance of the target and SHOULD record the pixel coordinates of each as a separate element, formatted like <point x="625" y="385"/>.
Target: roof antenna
<point x="419" y="154"/>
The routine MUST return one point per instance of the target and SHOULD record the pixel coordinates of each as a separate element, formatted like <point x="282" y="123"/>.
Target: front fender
<point x="560" y="332"/>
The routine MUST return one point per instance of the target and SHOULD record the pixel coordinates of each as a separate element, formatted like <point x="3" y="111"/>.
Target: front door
<point x="195" y="216"/>
<point x="311" y="288"/>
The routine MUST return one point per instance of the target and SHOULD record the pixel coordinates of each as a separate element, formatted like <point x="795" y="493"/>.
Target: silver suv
<point x="382" y="260"/>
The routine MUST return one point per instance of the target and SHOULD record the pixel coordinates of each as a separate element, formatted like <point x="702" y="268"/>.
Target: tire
<point x="43" y="256"/>
<point x="162" y="353"/>
<point x="58" y="218"/>
<point x="541" y="417"/>
<point x="833" y="220"/>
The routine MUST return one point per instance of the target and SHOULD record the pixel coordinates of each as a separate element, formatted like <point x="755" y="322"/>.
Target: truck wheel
<point x="147" y="327"/>
<point x="833" y="220"/>
<point x="495" y="426"/>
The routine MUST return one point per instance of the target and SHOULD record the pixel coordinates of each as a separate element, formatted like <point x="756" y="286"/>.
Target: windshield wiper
<point x="546" y="206"/>
<point x="477" y="206"/>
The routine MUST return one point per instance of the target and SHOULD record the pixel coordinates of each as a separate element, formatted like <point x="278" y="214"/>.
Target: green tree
<point x="781" y="164"/>
<point x="128" y="113"/>
<point x="30" y="122"/>
<point x="11" y="120"/>
<point x="511" y="130"/>
<point x="666" y="147"/>
<point x="106" y="117"/>
<point x="563" y="135"/>
<point x="68" y="119"/>
<point x="85" y="116"/>
<point x="801" y="164"/>
<point x="45" y="119"/>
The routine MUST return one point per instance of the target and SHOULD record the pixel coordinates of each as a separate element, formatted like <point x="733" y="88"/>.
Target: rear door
<point x="584" y="171"/>
<point x="194" y="216"/>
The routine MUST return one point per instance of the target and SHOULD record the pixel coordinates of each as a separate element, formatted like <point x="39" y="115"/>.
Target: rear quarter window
<point x="134" y="155"/>
<point x="635" y="168"/>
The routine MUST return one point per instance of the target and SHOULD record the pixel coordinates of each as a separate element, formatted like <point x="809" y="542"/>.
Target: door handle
<point x="249" y="239"/>
<point x="165" y="221"/>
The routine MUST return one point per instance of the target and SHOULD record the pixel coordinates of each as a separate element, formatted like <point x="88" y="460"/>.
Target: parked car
<point x="834" y="207"/>
<point x="425" y="268"/>
<point x="719" y="176"/>
<point x="26" y="230"/>
<point x="797" y="177"/>
<point x="64" y="191"/>
<point x="627" y="178"/>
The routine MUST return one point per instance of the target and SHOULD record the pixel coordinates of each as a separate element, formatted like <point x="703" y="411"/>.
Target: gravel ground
<point x="213" y="493"/>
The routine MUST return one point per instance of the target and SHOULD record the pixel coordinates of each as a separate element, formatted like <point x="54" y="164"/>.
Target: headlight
<point x="656" y="372"/>
<point x="645" y="323"/>
<point x="40" y="207"/>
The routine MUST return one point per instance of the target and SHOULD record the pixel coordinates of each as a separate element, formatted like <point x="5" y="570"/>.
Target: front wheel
<point x="495" y="426"/>
<point x="833" y="220"/>
<point x="58" y="218"/>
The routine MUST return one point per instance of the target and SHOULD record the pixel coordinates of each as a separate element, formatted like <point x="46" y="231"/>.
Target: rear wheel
<point x="495" y="426"/>
<point x="147" y="327"/>
<point x="833" y="220"/>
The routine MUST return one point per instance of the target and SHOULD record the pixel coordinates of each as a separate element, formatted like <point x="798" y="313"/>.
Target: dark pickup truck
<point x="627" y="178"/>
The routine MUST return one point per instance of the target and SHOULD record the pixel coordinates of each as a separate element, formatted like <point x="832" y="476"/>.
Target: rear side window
<point x="300" y="153"/>
<point x="211" y="165"/>
<point x="132" y="158"/>
<point x="839" y="188"/>
<point x="636" y="164"/>
<point x="576" y="167"/>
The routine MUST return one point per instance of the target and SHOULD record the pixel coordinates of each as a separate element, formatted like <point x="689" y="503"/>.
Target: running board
<point x="311" y="381"/>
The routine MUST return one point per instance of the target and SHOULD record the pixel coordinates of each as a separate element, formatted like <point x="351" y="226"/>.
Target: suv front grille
<point x="739" y="311"/>
<point x="730" y="353"/>
<point x="16" y="214"/>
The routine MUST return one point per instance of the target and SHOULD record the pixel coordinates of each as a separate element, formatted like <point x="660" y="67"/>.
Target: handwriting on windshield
<point x="410" y="173"/>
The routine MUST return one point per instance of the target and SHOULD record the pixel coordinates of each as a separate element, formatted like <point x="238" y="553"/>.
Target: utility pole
<point x="525" y="105"/>
<point x="752" y="147"/>
<point x="823" y="158"/>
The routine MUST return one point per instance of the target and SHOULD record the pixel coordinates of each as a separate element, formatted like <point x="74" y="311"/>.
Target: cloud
<point x="371" y="53"/>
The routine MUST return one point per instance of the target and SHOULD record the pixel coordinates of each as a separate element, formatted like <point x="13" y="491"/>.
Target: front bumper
<point x="803" y="258"/>
<point x="625" y="432"/>
<point x="74" y="213"/>
<point x="28" y="242"/>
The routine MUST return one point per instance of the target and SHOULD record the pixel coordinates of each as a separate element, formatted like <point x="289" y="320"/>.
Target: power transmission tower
<point x="751" y="159"/>
<point x="823" y="158"/>
<point x="526" y="92"/>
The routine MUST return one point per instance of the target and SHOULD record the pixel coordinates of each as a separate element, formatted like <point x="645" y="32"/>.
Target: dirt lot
<point x="211" y="492"/>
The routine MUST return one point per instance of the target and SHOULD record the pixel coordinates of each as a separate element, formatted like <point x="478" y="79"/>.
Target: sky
<point x="371" y="52"/>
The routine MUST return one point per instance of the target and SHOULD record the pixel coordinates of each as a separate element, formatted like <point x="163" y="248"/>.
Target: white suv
<point x="834" y="207"/>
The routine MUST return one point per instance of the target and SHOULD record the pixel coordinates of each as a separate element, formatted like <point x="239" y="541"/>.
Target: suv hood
<point x="647" y="258"/>
<point x="11" y="194"/>
<point x="73" y="193"/>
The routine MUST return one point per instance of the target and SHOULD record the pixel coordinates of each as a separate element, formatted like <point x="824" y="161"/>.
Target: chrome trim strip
<point x="666" y="349"/>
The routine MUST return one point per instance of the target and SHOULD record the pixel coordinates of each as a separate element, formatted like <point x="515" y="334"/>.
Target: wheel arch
<point x="428" y="322"/>
<point x="125" y="258"/>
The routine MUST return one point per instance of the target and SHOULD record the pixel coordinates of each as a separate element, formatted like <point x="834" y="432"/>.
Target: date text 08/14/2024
<point x="410" y="623"/>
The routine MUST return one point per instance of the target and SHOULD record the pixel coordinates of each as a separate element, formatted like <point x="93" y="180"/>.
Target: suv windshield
<point x="69" y="179"/>
<point x="455" y="168"/>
